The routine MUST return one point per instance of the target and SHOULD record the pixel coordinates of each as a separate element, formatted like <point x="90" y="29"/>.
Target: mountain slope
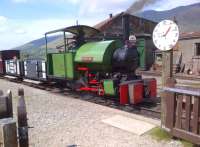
<point x="188" y="17"/>
<point x="36" y="48"/>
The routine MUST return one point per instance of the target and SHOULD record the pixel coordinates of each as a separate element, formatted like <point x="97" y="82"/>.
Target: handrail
<point x="183" y="90"/>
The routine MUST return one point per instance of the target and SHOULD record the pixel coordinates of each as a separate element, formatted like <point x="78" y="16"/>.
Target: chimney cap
<point x="110" y="15"/>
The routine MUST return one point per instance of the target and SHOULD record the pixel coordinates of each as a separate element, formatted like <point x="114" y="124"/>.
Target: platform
<point x="62" y="120"/>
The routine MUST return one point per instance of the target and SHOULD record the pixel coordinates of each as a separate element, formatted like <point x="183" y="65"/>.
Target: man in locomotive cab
<point x="80" y="39"/>
<point x="131" y="43"/>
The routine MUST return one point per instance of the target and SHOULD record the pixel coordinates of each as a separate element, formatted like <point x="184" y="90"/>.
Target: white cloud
<point x="103" y="6"/>
<point x="3" y="20"/>
<point x="20" y="1"/>
<point x="89" y="6"/>
<point x="3" y="29"/>
<point x="3" y="24"/>
<point x="20" y="31"/>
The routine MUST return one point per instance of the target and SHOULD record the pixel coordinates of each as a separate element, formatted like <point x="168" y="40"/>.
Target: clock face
<point x="165" y="35"/>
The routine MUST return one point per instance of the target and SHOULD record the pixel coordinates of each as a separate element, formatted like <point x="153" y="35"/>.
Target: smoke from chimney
<point x="138" y="5"/>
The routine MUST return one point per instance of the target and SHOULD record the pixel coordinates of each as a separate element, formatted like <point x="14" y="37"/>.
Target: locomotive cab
<point x="61" y="65"/>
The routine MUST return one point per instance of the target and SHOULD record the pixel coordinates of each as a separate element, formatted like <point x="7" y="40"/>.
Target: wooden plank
<point x="186" y="91"/>
<point x="168" y="100"/>
<point x="8" y="133"/>
<point x="170" y="113"/>
<point x="195" y="124"/>
<point x="188" y="112"/>
<point x="1" y="92"/>
<point x="179" y="111"/>
<point x="194" y="138"/>
<point x="3" y="107"/>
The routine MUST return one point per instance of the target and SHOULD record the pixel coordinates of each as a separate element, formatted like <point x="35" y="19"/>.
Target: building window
<point x="197" y="49"/>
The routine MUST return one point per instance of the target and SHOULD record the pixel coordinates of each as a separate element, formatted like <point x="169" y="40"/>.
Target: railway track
<point x="147" y="108"/>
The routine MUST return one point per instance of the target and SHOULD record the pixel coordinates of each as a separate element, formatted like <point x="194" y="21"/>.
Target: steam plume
<point x="138" y="5"/>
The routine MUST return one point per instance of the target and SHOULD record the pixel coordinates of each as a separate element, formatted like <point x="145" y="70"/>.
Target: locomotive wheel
<point x="73" y="85"/>
<point x="22" y="120"/>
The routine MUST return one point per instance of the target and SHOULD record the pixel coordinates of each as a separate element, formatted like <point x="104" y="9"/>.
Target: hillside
<point x="188" y="17"/>
<point x="36" y="48"/>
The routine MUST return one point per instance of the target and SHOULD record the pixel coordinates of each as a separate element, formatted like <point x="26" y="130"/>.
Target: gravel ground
<point x="61" y="121"/>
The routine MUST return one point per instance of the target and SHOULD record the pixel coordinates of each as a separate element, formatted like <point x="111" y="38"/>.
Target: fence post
<point x="22" y="120"/>
<point x="8" y="133"/>
<point x="167" y="81"/>
<point x="9" y="103"/>
<point x="6" y="109"/>
<point x="1" y="92"/>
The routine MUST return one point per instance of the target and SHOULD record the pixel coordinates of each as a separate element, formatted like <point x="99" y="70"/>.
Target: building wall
<point x="187" y="47"/>
<point x="137" y="26"/>
<point x="115" y="29"/>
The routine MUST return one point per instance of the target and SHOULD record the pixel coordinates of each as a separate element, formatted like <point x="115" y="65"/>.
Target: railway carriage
<point x="34" y="69"/>
<point x="14" y="67"/>
<point x="6" y="56"/>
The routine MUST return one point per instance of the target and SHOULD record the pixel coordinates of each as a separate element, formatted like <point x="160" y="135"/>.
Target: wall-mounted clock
<point x="165" y="35"/>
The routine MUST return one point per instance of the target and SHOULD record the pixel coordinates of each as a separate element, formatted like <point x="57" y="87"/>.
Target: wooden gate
<point x="183" y="113"/>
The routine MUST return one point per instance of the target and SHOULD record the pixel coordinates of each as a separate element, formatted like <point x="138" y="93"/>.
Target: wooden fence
<point x="9" y="129"/>
<point x="183" y="113"/>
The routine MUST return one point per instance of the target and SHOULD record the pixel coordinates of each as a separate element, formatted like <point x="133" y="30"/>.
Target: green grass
<point x="186" y="143"/>
<point x="161" y="135"/>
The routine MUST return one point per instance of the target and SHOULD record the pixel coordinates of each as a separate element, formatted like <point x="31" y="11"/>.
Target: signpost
<point x="165" y="37"/>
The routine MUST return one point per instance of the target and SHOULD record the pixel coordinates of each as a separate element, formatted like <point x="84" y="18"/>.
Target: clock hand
<point x="167" y="31"/>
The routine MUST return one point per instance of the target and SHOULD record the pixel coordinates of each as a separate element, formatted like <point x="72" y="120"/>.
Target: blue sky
<point x="25" y="20"/>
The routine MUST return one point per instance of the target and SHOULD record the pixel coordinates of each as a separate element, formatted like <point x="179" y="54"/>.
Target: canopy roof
<point x="77" y="30"/>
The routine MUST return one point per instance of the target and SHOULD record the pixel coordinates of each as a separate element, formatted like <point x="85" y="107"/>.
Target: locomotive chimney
<point x="126" y="26"/>
<point x="110" y="15"/>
